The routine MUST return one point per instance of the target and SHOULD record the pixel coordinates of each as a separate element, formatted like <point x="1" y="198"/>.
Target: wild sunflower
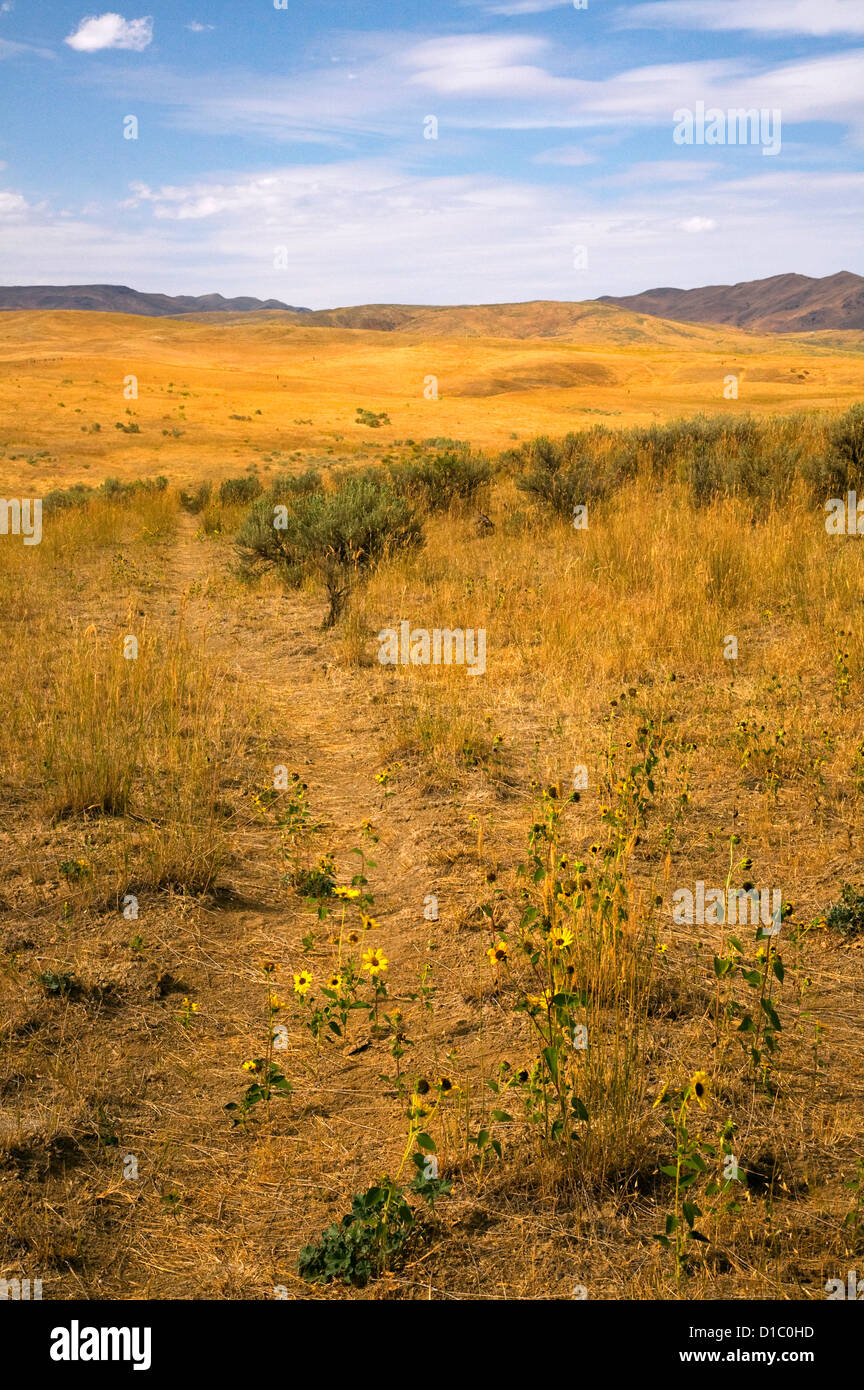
<point x="561" y="938"/>
<point x="537" y="1003"/>
<point x="700" y="1085"/>
<point x="375" y="961"/>
<point x="334" y="982"/>
<point x="345" y="893"/>
<point x="498" y="954"/>
<point x="303" y="982"/>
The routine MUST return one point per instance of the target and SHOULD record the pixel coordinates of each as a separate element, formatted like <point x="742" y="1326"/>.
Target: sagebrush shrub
<point x="440" y="480"/>
<point x="195" y="501"/>
<point x="239" y="490"/>
<point x="333" y="536"/>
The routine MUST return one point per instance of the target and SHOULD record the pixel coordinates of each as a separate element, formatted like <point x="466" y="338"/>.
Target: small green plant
<point x="365" y="1242"/>
<point x="375" y="1233"/>
<point x="853" y="1221"/>
<point x="75" y="870"/>
<point x="57" y="983"/>
<point x="847" y="916"/>
<point x="373" y="418"/>
<point x="268" y="1078"/>
<point x="694" y="1158"/>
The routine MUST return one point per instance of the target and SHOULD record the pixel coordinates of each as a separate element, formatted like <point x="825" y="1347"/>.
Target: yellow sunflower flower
<point x="700" y="1085"/>
<point x="375" y="961"/>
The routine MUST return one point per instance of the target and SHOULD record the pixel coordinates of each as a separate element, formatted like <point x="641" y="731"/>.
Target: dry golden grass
<point x="135" y="779"/>
<point x="215" y="396"/>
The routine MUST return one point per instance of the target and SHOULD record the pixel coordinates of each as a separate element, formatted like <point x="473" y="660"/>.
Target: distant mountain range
<point x="780" y="304"/>
<point x="119" y="299"/>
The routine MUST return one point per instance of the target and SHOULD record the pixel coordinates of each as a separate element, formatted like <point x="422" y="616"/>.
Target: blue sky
<point x="282" y="152"/>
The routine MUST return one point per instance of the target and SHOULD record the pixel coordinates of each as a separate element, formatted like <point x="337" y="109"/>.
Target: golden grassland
<point x="169" y="816"/>
<point x="149" y="783"/>
<point x="216" y="393"/>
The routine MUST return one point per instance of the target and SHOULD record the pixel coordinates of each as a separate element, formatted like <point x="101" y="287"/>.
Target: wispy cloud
<point x="98" y="32"/>
<point x="468" y="238"/>
<point x="814" y="17"/>
<point x="517" y="7"/>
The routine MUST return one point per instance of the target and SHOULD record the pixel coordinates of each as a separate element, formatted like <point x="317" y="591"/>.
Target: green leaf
<point x="425" y="1143"/>
<point x="691" y="1211"/>
<point x="502" y="1117"/>
<point x="550" y="1057"/>
<point x="579" y="1109"/>
<point x="771" y="1012"/>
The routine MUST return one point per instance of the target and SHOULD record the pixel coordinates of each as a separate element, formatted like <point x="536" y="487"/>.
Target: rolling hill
<point x="780" y="304"/>
<point x="120" y="299"/>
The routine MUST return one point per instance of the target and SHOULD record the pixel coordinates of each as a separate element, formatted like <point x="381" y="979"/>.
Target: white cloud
<point x="197" y="28"/>
<point x="814" y="17"/>
<point x="8" y="49"/>
<point x="698" y="224"/>
<point x="489" y="82"/>
<point x="12" y="206"/>
<point x="517" y="7"/>
<point x="111" y="31"/>
<point x="483" y="65"/>
<point x="367" y="231"/>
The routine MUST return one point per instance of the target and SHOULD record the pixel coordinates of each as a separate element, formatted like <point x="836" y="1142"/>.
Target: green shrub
<point x="196" y="501"/>
<point x="713" y="456"/>
<point x="373" y="1235"/>
<point x="373" y="418"/>
<point x="334" y="537"/>
<point x="565" y="473"/>
<point x="442" y="479"/>
<point x="364" y="1242"/>
<point x="847" y="916"/>
<point x="286" y="485"/>
<point x="62" y="499"/>
<point x="846" y="441"/>
<point x="239" y="490"/>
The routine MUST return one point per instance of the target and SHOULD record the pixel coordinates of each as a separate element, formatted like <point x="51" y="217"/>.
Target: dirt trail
<point x="329" y="735"/>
